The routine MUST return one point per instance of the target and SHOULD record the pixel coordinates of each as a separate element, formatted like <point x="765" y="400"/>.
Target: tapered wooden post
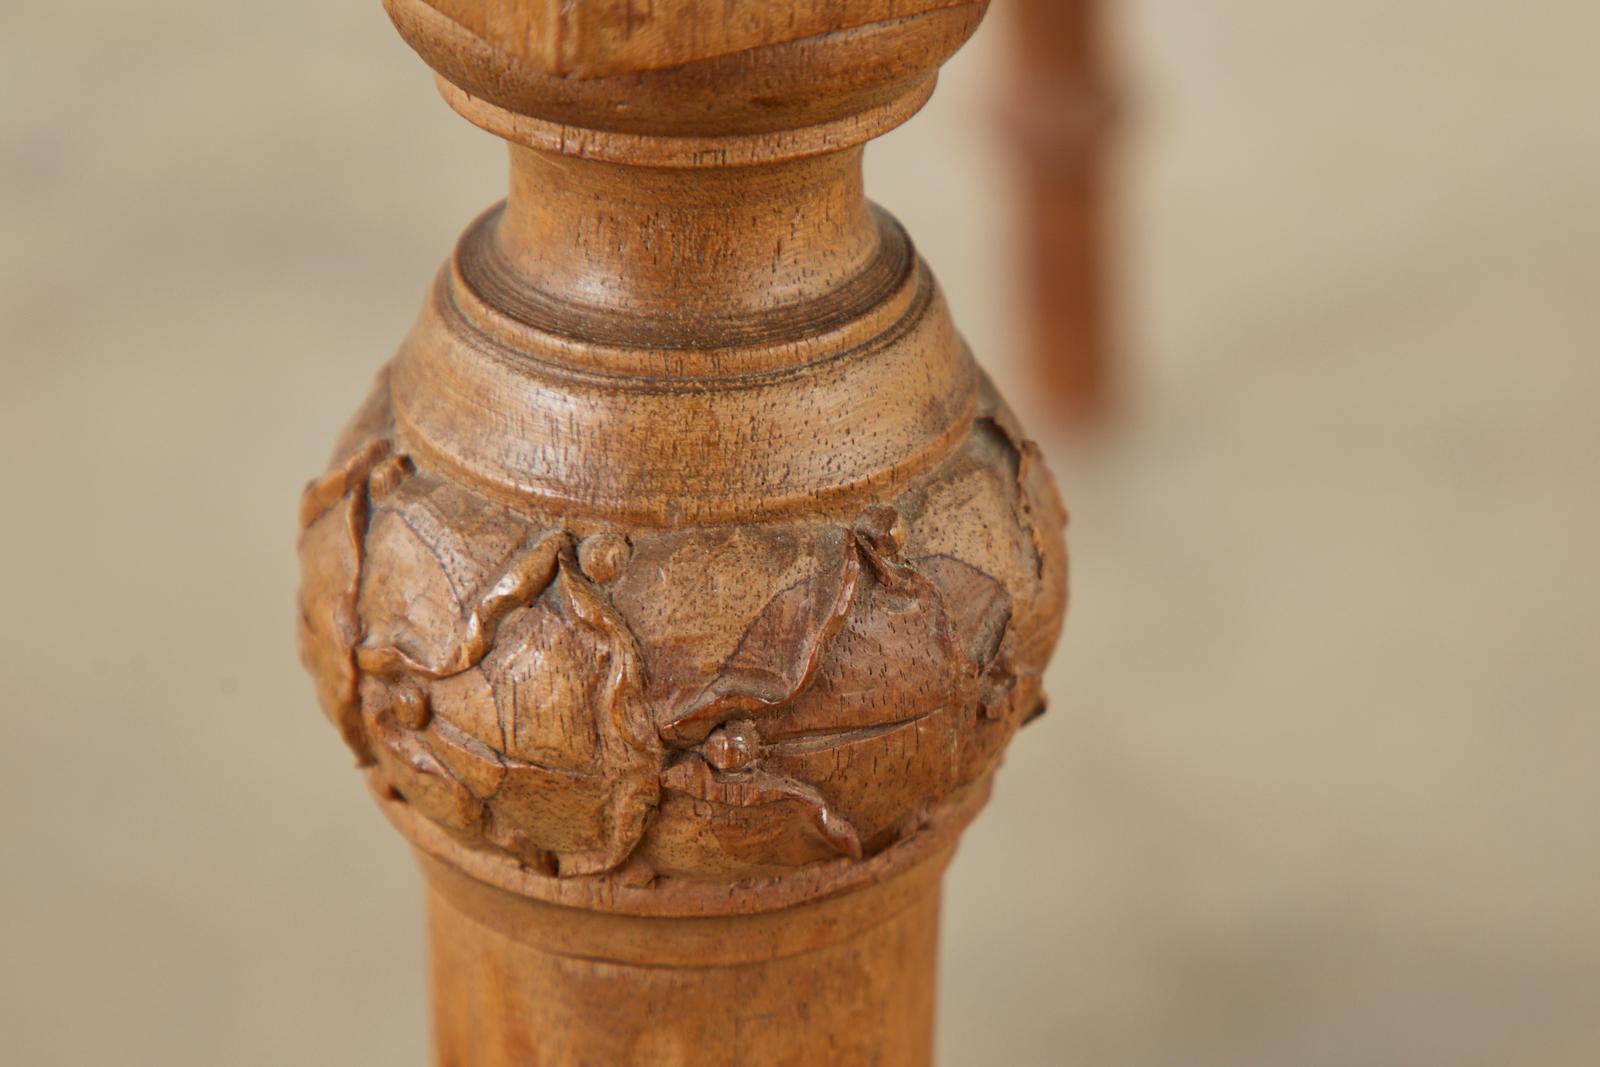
<point x="682" y="580"/>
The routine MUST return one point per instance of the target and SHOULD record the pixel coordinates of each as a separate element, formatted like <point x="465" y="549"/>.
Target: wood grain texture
<point x="844" y="981"/>
<point x="682" y="568"/>
<point x="599" y="37"/>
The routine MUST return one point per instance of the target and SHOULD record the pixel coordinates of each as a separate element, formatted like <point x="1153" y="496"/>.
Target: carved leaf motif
<point x="412" y="767"/>
<point x="591" y="820"/>
<point x="896" y="658"/>
<point x="527" y="575"/>
<point x="855" y="683"/>
<point x="737" y="701"/>
<point x="333" y="521"/>
<point x="692" y="776"/>
<point x="778" y="655"/>
<point x="631" y="753"/>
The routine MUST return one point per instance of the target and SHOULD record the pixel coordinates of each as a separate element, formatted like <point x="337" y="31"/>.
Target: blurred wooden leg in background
<point x="1058" y="113"/>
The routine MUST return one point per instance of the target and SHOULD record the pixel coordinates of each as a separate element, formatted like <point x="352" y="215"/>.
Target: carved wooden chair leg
<point x="681" y="581"/>
<point x="1058" y="114"/>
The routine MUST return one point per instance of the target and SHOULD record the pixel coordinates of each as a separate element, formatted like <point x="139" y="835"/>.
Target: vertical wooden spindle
<point x="1058" y="113"/>
<point x="682" y="580"/>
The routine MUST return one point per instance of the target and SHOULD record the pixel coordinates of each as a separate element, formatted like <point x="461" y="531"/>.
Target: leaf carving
<point x="528" y="574"/>
<point x="333" y="524"/>
<point x="630" y="750"/>
<point x="779" y="654"/>
<point x="693" y="776"/>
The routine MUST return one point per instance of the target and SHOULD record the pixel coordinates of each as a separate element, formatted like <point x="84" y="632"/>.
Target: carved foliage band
<point x="709" y="703"/>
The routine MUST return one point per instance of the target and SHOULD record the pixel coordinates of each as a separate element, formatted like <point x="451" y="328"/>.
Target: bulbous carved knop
<point x="710" y="703"/>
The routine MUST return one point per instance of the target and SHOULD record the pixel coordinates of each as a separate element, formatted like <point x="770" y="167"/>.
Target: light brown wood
<point x="848" y="980"/>
<point x="682" y="580"/>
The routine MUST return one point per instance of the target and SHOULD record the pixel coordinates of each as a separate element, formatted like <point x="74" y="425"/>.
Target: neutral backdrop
<point x="1320" y="783"/>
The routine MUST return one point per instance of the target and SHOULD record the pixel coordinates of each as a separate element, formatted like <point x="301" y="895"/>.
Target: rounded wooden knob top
<point x="687" y="82"/>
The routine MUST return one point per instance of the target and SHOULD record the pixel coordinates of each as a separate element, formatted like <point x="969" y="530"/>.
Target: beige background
<point x="1320" y="782"/>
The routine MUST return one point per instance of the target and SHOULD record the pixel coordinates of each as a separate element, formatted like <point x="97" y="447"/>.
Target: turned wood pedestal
<point x="848" y="979"/>
<point x="682" y="580"/>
